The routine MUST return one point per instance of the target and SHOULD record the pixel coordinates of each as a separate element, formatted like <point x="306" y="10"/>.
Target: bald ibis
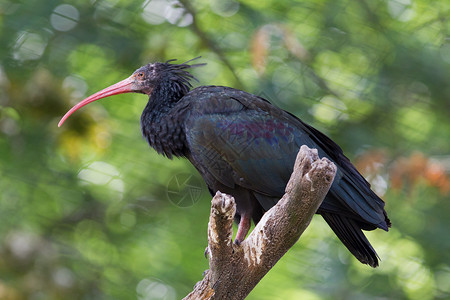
<point x="244" y="146"/>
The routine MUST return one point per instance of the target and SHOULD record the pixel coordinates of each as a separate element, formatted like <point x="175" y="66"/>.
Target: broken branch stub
<point x="235" y="270"/>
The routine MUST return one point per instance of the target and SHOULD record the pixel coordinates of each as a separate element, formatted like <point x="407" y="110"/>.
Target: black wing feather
<point x="239" y="139"/>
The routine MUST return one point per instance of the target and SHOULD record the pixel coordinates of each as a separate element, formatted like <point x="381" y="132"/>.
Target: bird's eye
<point x="140" y="75"/>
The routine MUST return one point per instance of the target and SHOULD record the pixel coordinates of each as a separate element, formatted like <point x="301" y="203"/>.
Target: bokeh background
<point x="88" y="211"/>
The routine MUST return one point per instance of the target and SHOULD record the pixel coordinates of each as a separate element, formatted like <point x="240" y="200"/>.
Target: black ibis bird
<point x="244" y="146"/>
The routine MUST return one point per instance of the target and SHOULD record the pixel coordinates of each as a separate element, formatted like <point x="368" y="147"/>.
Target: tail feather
<point x="351" y="235"/>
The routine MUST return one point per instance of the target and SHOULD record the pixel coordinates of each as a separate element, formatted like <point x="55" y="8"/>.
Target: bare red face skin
<point x="124" y="86"/>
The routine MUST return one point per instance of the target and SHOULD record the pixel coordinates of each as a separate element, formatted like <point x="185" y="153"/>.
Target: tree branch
<point x="209" y="42"/>
<point x="235" y="270"/>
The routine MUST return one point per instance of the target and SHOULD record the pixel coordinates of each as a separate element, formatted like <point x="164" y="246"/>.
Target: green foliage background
<point x="85" y="210"/>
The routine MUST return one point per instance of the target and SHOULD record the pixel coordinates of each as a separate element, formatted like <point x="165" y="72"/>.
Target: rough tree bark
<point x="235" y="270"/>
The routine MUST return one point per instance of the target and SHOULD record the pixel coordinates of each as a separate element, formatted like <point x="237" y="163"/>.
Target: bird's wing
<point x="235" y="144"/>
<point x="238" y="138"/>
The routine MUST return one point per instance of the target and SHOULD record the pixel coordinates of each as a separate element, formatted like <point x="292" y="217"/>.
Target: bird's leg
<point x="243" y="228"/>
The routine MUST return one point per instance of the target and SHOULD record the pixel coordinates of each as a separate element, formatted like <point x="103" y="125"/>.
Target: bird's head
<point x="144" y="80"/>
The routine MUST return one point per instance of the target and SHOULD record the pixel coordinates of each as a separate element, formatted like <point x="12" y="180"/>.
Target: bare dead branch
<point x="235" y="270"/>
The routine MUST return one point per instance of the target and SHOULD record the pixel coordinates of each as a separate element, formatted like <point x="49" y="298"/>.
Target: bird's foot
<point x="243" y="228"/>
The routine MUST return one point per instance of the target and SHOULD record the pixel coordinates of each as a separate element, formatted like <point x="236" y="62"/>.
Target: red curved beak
<point x="124" y="86"/>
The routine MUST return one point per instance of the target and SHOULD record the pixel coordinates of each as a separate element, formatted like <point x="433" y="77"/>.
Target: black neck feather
<point x="162" y="118"/>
